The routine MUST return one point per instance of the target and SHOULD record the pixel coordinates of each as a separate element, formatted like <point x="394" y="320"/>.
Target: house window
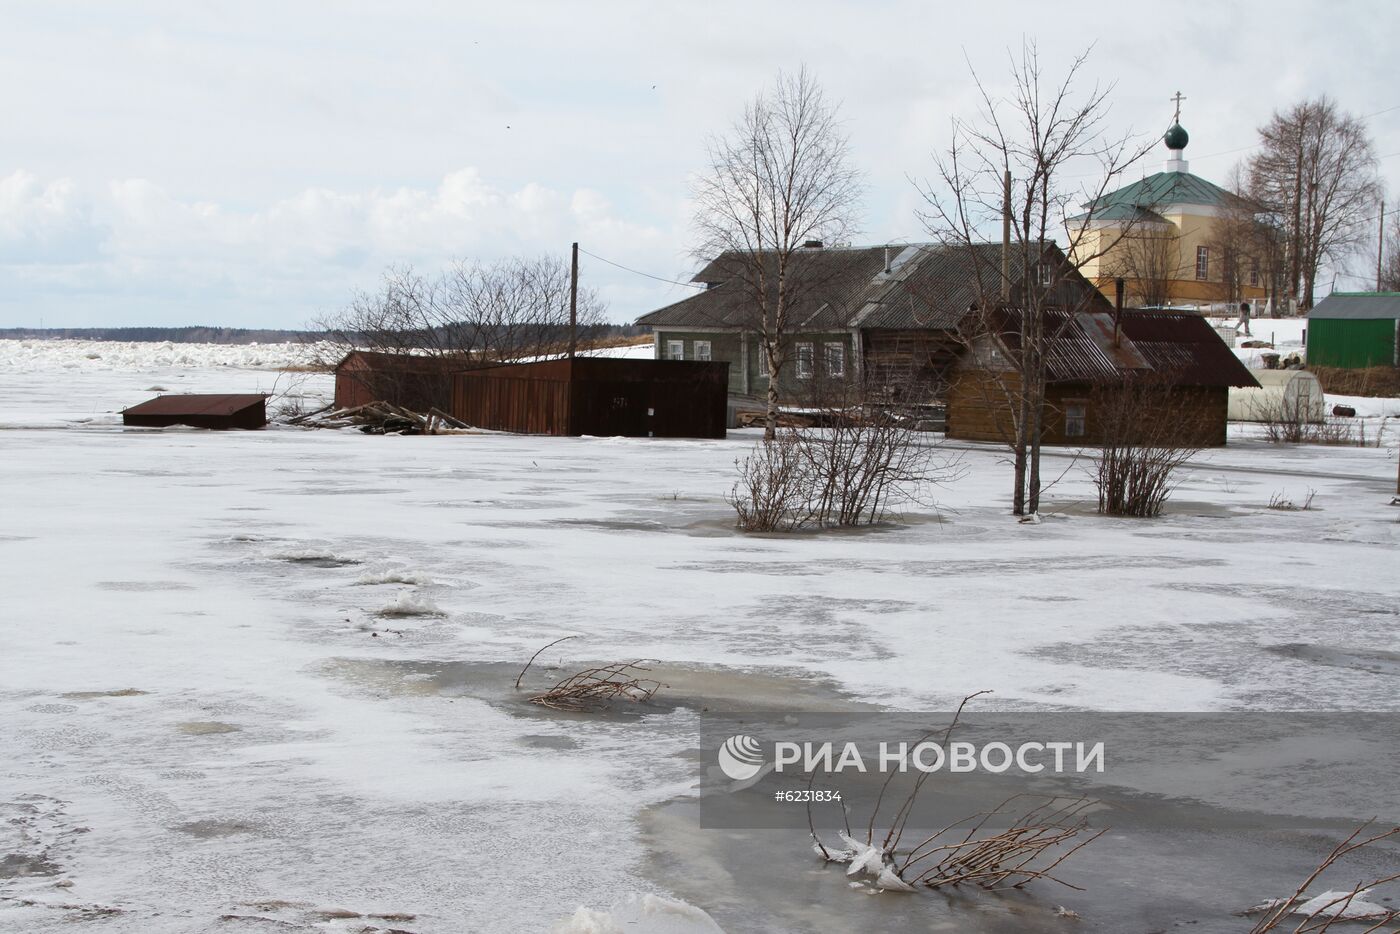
<point x="675" y="350"/>
<point x="1202" y="262"/>
<point x="1074" y="420"/>
<point x="1254" y="272"/>
<point x="1046" y="275"/>
<point x="836" y="360"/>
<point x="702" y="350"/>
<point x="805" y="359"/>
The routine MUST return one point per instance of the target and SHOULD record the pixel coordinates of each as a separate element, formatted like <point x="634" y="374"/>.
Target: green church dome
<point x="1176" y="137"/>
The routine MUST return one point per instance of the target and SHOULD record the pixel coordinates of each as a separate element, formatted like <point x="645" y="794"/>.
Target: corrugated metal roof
<point x="927" y="287"/>
<point x="196" y="404"/>
<point x="1358" y="305"/>
<point x="1181" y="347"/>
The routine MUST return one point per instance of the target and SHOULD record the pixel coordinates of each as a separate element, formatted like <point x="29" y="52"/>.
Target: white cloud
<point x="318" y="245"/>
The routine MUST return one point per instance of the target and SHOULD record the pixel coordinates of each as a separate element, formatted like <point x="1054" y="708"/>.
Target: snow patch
<point x="1339" y="906"/>
<point x="650" y="913"/>
<point x="408" y="603"/>
<point x="395" y="576"/>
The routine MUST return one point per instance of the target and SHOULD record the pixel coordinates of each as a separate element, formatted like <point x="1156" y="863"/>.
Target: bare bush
<point x="1041" y="833"/>
<point x="1289" y="421"/>
<point x="771" y="494"/>
<point x="1148" y="429"/>
<point x="859" y="466"/>
<point x="1282" y="503"/>
<point x="593" y="688"/>
<point x="1322" y="912"/>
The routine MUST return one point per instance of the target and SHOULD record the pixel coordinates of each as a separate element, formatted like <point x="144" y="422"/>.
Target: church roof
<point x="1163" y="188"/>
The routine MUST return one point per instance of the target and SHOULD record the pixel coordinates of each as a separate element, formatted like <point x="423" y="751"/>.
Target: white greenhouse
<point x="1283" y="395"/>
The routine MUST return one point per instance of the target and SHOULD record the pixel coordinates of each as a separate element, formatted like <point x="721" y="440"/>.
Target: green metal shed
<point x="1355" y="330"/>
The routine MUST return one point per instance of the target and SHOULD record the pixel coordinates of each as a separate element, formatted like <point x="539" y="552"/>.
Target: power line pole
<point x="1380" y="247"/>
<point x="573" y="303"/>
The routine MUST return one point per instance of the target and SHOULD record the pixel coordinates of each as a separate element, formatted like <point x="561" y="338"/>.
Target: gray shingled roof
<point x="927" y="286"/>
<point x="1371" y="305"/>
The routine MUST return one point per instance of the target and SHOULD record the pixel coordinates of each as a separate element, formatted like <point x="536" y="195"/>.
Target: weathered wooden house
<point x="885" y="315"/>
<point x="603" y="396"/>
<point x="413" y="381"/>
<point x="1089" y="356"/>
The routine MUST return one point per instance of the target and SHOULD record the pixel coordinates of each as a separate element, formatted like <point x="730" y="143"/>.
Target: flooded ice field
<point x="256" y="681"/>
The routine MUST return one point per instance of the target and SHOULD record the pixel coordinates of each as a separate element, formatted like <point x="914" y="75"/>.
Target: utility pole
<point x="573" y="303"/>
<point x="1006" y="237"/>
<point x="1380" y="248"/>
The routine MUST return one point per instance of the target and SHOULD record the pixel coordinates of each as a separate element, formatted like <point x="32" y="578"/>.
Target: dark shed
<point x="412" y="381"/>
<point x="199" y="411"/>
<point x="597" y="396"/>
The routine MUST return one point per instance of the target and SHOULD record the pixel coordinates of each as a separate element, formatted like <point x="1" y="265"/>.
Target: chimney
<point x="1006" y="237"/>
<point x="812" y="245"/>
<point x="887" y="259"/>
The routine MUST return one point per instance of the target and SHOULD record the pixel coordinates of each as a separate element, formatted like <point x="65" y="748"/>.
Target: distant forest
<point x="211" y="335"/>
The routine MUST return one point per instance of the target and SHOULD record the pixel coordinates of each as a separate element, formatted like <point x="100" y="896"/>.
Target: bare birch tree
<point x="782" y="176"/>
<point x="1049" y="139"/>
<point x="1317" y="168"/>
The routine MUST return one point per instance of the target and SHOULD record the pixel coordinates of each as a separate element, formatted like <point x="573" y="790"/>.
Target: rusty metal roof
<point x="196" y="404"/>
<point x="1180" y="347"/>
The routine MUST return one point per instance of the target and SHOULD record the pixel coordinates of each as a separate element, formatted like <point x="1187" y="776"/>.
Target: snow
<point x="650" y="913"/>
<point x="1339" y="905"/>
<point x="287" y="745"/>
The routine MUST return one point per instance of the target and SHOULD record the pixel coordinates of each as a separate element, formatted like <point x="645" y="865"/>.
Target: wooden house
<point x="885" y="315"/>
<point x="1089" y="356"/>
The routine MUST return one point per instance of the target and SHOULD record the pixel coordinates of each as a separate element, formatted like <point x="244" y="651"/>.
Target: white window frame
<point x="835" y="359"/>
<point x="1254" y="273"/>
<point x="702" y="350"/>
<point x="806" y="359"/>
<point x="1076" y="419"/>
<point x="675" y="350"/>
<point x="1046" y="275"/>
<point x="1202" y="263"/>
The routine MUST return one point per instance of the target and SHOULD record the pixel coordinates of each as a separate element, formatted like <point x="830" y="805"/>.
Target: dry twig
<point x="594" y="687"/>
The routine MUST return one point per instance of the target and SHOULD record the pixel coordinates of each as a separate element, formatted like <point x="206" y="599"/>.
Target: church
<point x="1175" y="239"/>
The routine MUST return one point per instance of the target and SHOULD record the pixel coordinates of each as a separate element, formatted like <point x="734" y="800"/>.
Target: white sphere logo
<point x="741" y="757"/>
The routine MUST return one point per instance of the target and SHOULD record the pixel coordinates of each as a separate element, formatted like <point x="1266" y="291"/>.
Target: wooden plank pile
<point x="383" y="418"/>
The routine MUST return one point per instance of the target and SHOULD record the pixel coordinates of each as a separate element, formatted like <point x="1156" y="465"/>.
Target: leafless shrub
<point x="595" y="687"/>
<point x="771" y="492"/>
<point x="1148" y="429"/>
<point x="862" y="463"/>
<point x="1288" y="421"/>
<point x="1042" y="833"/>
<point x="537" y="654"/>
<point x="1281" y="502"/>
<point x="1329" y="911"/>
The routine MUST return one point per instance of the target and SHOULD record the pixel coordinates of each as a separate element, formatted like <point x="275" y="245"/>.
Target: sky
<point x="255" y="164"/>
